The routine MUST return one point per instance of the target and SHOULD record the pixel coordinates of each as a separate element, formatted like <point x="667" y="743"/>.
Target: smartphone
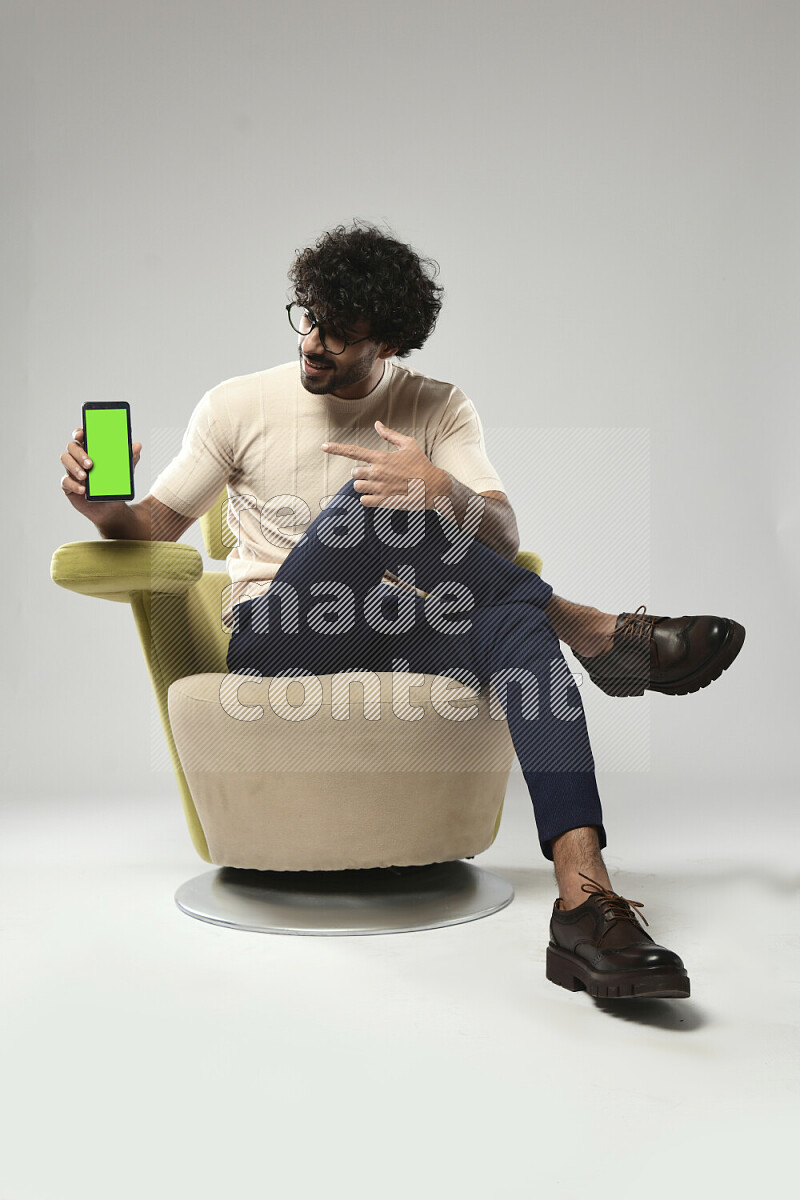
<point x="107" y="441"/>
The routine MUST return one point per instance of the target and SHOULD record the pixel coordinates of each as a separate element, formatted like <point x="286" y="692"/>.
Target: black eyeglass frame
<point x="315" y="324"/>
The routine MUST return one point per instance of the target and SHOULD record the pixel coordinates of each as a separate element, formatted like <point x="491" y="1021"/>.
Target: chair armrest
<point x="116" y="568"/>
<point x="529" y="560"/>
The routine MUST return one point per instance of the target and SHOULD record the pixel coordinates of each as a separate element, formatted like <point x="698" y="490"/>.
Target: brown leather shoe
<point x="601" y="947"/>
<point x="673" y="655"/>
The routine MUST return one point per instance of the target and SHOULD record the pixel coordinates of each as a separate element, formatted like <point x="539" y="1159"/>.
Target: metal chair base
<point x="344" y="903"/>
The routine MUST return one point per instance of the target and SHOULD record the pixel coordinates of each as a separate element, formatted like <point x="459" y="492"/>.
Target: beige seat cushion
<point x="365" y="769"/>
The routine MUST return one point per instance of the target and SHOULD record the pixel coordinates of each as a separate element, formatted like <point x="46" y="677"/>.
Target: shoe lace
<point x="612" y="902"/>
<point x="636" y="624"/>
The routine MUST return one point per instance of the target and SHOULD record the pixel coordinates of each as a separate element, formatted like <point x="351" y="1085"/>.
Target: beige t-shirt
<point x="260" y="435"/>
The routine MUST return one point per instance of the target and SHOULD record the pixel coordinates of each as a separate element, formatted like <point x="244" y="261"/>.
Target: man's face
<point x="321" y="371"/>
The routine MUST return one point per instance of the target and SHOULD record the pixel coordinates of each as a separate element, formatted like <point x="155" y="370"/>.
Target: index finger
<point x="349" y="450"/>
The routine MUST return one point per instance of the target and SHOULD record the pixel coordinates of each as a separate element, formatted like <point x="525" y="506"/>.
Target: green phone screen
<point x="106" y="436"/>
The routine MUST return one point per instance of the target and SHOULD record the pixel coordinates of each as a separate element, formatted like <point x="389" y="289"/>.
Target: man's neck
<point x="360" y="391"/>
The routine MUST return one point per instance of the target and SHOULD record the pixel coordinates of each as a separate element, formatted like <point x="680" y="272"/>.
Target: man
<point x="423" y="519"/>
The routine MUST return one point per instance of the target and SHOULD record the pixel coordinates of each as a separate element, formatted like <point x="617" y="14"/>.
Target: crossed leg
<point x="484" y="618"/>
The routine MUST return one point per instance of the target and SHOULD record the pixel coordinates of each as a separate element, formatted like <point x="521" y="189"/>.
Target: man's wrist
<point x="116" y="523"/>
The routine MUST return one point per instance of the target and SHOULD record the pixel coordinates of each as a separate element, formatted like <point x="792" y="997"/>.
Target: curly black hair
<point x="362" y="271"/>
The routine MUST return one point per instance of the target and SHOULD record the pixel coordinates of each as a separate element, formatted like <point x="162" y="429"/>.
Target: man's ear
<point x="387" y="351"/>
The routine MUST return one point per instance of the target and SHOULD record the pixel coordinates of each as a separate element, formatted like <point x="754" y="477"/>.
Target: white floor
<point x="145" y="1054"/>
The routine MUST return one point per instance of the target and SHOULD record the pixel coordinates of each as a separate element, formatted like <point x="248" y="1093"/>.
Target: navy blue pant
<point x="483" y="621"/>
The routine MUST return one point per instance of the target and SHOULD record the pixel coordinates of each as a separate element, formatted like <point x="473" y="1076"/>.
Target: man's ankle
<point x="585" y="630"/>
<point x="570" y="899"/>
<point x="577" y="859"/>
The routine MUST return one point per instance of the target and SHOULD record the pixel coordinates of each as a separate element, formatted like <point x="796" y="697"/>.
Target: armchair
<point x="336" y="808"/>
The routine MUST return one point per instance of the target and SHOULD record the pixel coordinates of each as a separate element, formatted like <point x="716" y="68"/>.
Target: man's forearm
<point x="126" y="522"/>
<point x="497" y="527"/>
<point x="146" y="520"/>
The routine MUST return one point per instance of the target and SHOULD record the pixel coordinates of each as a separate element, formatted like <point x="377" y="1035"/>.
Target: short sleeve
<point x="459" y="447"/>
<point x="203" y="466"/>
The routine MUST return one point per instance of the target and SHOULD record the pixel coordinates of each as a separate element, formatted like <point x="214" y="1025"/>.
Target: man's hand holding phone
<point x="73" y="484"/>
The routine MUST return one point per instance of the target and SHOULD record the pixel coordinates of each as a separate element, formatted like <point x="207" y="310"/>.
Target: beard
<point x="339" y="376"/>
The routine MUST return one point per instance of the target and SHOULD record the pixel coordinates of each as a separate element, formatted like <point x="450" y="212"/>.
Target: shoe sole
<point x="574" y="974"/>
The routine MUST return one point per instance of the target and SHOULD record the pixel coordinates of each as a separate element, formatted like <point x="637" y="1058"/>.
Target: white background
<point x="611" y="190"/>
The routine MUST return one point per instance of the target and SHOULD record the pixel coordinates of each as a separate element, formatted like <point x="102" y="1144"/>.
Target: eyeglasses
<point x="302" y="320"/>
